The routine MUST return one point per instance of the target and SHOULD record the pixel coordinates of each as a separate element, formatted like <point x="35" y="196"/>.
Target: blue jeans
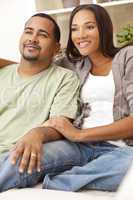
<point x="71" y="166"/>
<point x="105" y="169"/>
<point x="57" y="157"/>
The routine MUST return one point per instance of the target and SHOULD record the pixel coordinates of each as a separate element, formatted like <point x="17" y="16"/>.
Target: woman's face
<point x="85" y="35"/>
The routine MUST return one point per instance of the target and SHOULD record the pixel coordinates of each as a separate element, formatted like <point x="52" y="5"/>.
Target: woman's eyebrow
<point x="87" y="22"/>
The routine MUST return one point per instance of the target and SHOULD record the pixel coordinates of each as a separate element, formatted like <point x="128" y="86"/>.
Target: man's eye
<point x="43" y="35"/>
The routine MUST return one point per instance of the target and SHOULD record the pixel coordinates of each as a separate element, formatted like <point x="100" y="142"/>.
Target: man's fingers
<point x="39" y="159"/>
<point x="28" y="151"/>
<point x="16" y="153"/>
<point x="32" y="162"/>
<point x="24" y="160"/>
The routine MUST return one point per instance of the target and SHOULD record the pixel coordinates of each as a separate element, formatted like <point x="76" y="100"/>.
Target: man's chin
<point x="31" y="58"/>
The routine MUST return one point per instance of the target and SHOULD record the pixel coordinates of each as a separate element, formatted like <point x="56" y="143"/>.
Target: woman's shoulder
<point x="124" y="54"/>
<point x="125" y="50"/>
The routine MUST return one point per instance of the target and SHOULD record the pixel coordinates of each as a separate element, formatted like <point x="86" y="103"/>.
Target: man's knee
<point x="60" y="155"/>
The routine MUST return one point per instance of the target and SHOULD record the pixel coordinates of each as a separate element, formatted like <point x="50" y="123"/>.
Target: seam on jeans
<point x="14" y="185"/>
<point x="46" y="182"/>
<point x="60" y="164"/>
<point x="26" y="179"/>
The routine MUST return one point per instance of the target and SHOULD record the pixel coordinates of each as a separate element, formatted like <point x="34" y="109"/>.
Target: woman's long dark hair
<point x="105" y="29"/>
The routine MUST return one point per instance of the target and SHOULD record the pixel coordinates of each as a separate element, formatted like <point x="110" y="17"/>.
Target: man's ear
<point x="57" y="48"/>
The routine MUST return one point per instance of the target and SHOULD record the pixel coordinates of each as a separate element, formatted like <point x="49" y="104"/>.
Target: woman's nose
<point x="82" y="33"/>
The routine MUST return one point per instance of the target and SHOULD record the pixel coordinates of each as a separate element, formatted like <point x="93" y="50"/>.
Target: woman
<point x="107" y="87"/>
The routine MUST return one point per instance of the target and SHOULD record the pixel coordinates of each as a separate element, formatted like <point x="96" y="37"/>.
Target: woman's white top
<point x="99" y="91"/>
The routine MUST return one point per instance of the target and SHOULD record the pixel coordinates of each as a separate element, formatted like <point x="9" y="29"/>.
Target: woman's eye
<point x="90" y="27"/>
<point x="73" y="29"/>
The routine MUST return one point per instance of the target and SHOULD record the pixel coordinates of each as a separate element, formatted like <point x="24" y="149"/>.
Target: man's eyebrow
<point x="29" y="28"/>
<point x="40" y="30"/>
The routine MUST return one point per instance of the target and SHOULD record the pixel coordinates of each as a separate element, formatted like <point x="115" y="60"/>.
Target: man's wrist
<point x="47" y="134"/>
<point x="39" y="131"/>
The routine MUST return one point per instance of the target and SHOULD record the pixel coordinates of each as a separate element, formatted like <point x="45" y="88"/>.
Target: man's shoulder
<point x="64" y="71"/>
<point x="9" y="67"/>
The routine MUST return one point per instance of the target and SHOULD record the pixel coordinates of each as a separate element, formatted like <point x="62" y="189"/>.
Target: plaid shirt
<point x="122" y="68"/>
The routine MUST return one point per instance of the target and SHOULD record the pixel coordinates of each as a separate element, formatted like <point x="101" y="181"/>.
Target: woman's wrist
<point x="76" y="135"/>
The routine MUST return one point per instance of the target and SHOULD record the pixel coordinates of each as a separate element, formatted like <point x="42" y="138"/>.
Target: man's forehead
<point x="40" y="21"/>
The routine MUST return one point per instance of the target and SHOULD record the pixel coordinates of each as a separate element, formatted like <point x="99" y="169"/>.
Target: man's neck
<point x="27" y="68"/>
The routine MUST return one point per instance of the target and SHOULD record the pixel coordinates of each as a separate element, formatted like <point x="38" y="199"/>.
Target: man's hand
<point x="65" y="127"/>
<point x="29" y="149"/>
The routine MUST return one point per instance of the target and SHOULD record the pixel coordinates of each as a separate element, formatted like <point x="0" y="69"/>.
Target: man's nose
<point x="33" y="38"/>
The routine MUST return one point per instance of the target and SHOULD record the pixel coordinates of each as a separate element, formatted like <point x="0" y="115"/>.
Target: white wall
<point x="13" y="14"/>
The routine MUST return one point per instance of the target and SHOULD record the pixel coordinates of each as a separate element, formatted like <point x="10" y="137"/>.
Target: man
<point x="30" y="93"/>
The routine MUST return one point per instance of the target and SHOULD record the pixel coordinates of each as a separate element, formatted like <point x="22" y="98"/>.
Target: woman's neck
<point x="101" y="65"/>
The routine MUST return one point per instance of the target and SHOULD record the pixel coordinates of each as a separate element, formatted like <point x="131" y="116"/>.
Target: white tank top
<point x="99" y="91"/>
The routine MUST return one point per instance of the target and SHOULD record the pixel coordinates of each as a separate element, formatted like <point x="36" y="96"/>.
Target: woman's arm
<point x="118" y="130"/>
<point x="121" y="129"/>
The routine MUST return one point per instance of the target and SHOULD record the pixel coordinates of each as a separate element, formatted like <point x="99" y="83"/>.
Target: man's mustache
<point x="32" y="45"/>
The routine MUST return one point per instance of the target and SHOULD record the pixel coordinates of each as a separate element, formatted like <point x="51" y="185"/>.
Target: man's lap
<point x="57" y="157"/>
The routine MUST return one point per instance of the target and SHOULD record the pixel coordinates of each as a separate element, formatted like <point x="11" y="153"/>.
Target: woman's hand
<point x="65" y="127"/>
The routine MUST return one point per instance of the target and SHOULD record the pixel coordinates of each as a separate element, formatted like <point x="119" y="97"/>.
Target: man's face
<point x="37" y="42"/>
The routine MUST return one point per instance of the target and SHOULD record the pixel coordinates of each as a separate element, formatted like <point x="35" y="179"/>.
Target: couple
<point x="97" y="152"/>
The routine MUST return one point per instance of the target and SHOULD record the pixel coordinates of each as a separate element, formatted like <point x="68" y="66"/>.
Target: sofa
<point x="45" y="194"/>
